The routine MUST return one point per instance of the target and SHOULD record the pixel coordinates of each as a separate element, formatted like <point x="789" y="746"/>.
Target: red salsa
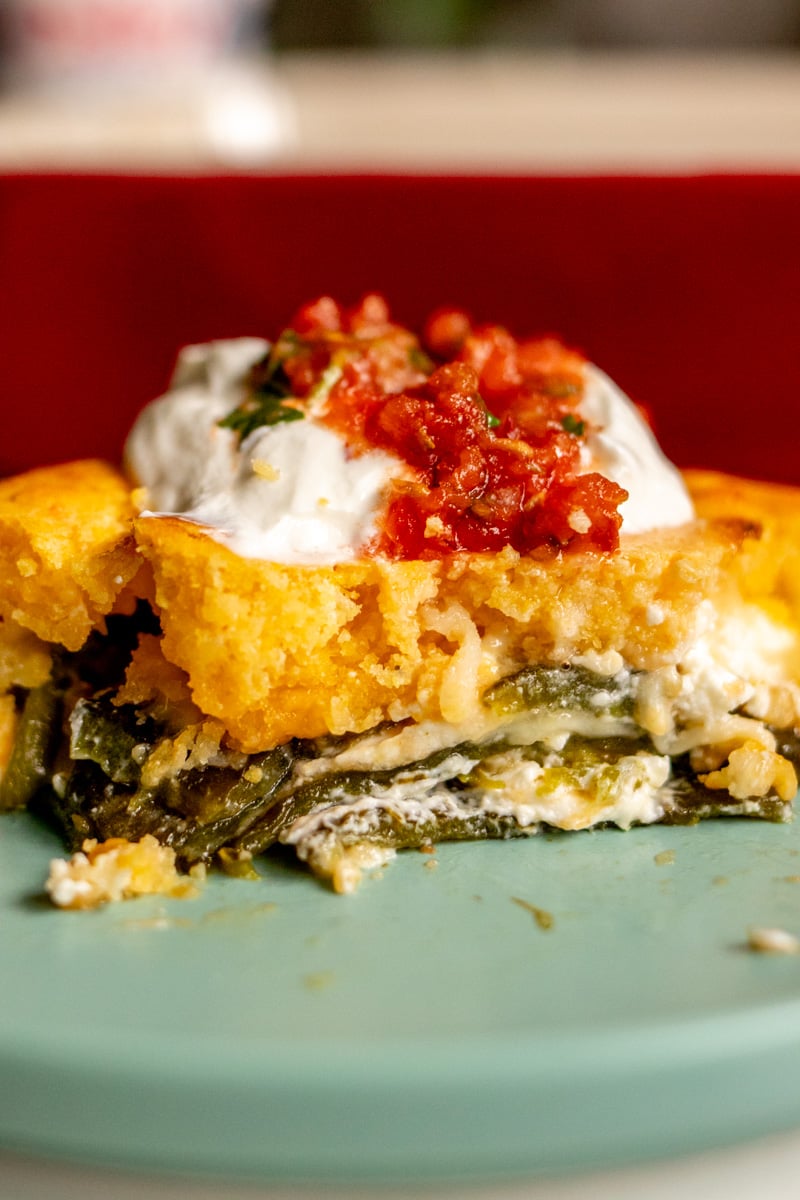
<point x="488" y="426"/>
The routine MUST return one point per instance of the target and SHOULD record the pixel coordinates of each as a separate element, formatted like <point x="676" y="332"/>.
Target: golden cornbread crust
<point x="768" y="566"/>
<point x="278" y="651"/>
<point x="24" y="659"/>
<point x="66" y="548"/>
<point x="275" y="651"/>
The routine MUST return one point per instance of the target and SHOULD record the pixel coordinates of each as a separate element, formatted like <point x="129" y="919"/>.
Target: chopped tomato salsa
<point x="488" y="428"/>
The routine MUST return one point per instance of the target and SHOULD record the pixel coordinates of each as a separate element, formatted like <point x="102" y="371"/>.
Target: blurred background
<point x="404" y="84"/>
<point x="535" y="23"/>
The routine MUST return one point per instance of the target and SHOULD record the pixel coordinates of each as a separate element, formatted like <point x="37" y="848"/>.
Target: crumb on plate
<point x="773" y="941"/>
<point x="117" y="869"/>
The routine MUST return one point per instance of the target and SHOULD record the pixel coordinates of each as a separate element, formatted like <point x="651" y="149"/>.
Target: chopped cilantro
<point x="419" y="359"/>
<point x="327" y="380"/>
<point x="269" y="388"/>
<point x="571" y="424"/>
<point x="262" y="409"/>
<point x="491" y="420"/>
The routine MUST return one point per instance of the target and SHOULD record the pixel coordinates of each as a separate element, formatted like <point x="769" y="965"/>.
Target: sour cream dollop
<point x="290" y="492"/>
<point x="622" y="447"/>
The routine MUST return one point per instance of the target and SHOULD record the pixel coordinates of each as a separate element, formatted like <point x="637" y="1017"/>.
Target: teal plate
<point x="431" y="1027"/>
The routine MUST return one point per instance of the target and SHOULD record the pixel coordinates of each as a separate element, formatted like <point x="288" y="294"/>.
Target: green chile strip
<point x="34" y="747"/>
<point x="563" y="687"/>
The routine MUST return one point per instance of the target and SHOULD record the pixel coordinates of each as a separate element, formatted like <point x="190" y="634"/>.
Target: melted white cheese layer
<point x="291" y="493"/>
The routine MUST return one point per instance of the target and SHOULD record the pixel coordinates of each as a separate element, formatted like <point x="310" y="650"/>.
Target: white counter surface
<point x="477" y="111"/>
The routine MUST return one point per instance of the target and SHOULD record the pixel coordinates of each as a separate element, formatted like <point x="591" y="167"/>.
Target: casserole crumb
<point x="117" y="870"/>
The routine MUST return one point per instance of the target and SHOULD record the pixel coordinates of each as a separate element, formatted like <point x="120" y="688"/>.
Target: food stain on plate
<point x="541" y="916"/>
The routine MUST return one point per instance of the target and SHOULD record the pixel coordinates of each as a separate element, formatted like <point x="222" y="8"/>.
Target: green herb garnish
<point x="256" y="411"/>
<point x="418" y="359"/>
<point x="571" y="424"/>
<point x="327" y="380"/>
<point x="269" y="389"/>
<point x="491" y="420"/>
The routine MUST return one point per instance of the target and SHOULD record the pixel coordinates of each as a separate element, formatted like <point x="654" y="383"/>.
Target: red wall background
<point x="685" y="289"/>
